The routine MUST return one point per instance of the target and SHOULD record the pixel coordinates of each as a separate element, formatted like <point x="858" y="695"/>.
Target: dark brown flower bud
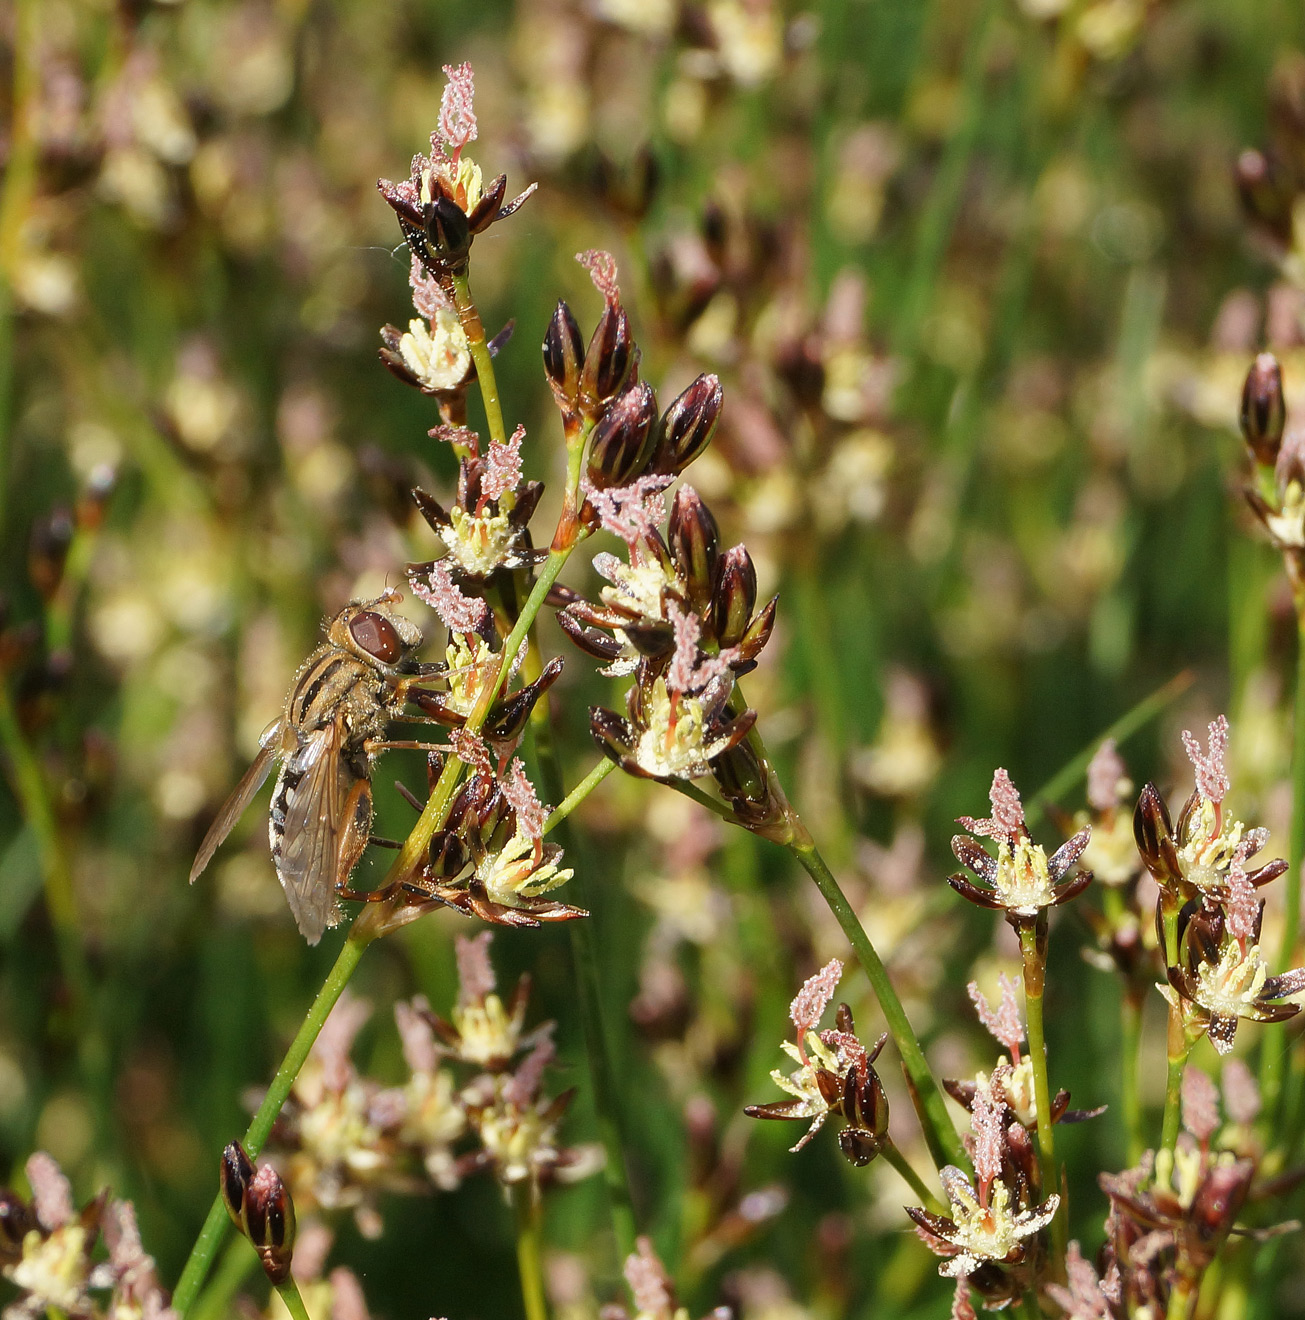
<point x="235" y="1173"/>
<point x="269" y="1222"/>
<point x="16" y="1221"/>
<point x="688" y="425"/>
<point x="609" y="361"/>
<point x="695" y="547"/>
<point x="758" y="634"/>
<point x="1154" y="835"/>
<point x="622" y="440"/>
<point x="506" y="724"/>
<point x="448" y="233"/>
<point x="1263" y="414"/>
<point x="448" y="855"/>
<point x="734" y="597"/>
<point x="564" y="354"/>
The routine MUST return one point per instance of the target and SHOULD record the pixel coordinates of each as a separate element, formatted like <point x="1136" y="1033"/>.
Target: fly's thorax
<point x="332" y="682"/>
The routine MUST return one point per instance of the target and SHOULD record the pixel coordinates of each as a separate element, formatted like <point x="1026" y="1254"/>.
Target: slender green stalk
<point x="1179" y="1047"/>
<point x="474" y="327"/>
<point x="1033" y="947"/>
<point x="939" y="1131"/>
<point x="691" y="791"/>
<point x="217" y="1223"/>
<point x="293" y="1298"/>
<point x="236" y="1265"/>
<point x="578" y="794"/>
<point x="1130" y="1104"/>
<point x="526" y="1203"/>
<point x="917" y="1184"/>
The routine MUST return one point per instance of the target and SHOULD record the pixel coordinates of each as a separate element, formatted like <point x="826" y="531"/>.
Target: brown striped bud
<point x="564" y="353"/>
<point x="1263" y="414"/>
<point x="270" y="1222"/>
<point x="686" y="429"/>
<point x="622" y="440"/>
<point x="610" y="359"/>
<point x="1154" y="836"/>
<point x="235" y="1173"/>
<point x="448" y="233"/>
<point x="734" y="598"/>
<point x="695" y="547"/>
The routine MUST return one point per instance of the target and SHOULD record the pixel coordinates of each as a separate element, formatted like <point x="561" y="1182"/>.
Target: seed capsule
<point x="622" y="440"/>
<point x="735" y="596"/>
<point x="1263" y="414"/>
<point x="448" y="233"/>
<point x="609" y="361"/>
<point x="686" y="429"/>
<point x="695" y="547"/>
<point x="564" y="355"/>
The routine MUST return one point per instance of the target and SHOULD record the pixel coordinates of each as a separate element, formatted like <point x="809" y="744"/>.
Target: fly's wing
<point x="315" y="792"/>
<point x="234" y="807"/>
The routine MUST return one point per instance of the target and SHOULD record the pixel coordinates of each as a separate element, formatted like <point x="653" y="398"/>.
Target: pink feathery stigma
<point x="649" y="1286"/>
<point x="502" y="465"/>
<point x="809" y="1004"/>
<point x="334" y="1042"/>
<point x="1085" y="1298"/>
<point x="456" y="435"/>
<point x="1241" y="1093"/>
<point x="415" y="1034"/>
<point x="1211" y="768"/>
<point x="632" y="512"/>
<point x="1242" y="906"/>
<point x="690" y="670"/>
<point x="1200" y="1099"/>
<point x="853" y="1053"/>
<point x="476" y="980"/>
<point x="51" y="1192"/>
<point x="532" y="815"/>
<point x="427" y="296"/>
<point x="962" y="1307"/>
<point x="602" y="270"/>
<point x="987" y="1119"/>
<point x="457" y="122"/>
<point x="524" y="1084"/>
<point x="122" y="1237"/>
<point x="1003" y="1022"/>
<point x="458" y="613"/>
<point x="1007" y="819"/>
<point x="470" y="749"/>
<point x="1105" y="773"/>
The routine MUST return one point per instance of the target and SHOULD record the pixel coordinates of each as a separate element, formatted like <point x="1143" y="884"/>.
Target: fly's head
<point x="376" y="632"/>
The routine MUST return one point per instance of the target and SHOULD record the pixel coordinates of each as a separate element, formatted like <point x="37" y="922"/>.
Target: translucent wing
<point x="317" y="811"/>
<point x="234" y="807"/>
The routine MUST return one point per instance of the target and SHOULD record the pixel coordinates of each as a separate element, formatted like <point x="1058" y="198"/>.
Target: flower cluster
<point x="1208" y="913"/>
<point x="344" y="1138"/>
<point x="835" y="1074"/>
<point x="47" y="1251"/>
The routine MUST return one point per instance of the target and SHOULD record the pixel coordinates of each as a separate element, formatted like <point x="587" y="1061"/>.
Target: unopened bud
<point x="448" y="233"/>
<point x="235" y="1174"/>
<point x="686" y="429"/>
<point x="695" y="547"/>
<point x="270" y="1222"/>
<point x="1154" y="835"/>
<point x="623" y="438"/>
<point x="564" y="353"/>
<point x="734" y="598"/>
<point x="1263" y="415"/>
<point x="610" y="359"/>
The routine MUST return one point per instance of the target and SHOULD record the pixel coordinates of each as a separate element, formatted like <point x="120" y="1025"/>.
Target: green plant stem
<point x="1130" y="1017"/>
<point x="526" y="1204"/>
<point x="939" y="1131"/>
<point x="293" y="1298"/>
<point x="474" y="328"/>
<point x="928" y="1199"/>
<point x="236" y="1265"/>
<point x="1033" y="947"/>
<point x="1179" y="1047"/>
<point x="578" y="794"/>
<point x="217" y="1223"/>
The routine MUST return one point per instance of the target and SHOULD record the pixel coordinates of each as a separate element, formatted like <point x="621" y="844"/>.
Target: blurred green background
<point x="978" y="282"/>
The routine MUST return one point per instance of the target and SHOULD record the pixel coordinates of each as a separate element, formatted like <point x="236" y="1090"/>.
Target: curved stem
<point x="526" y="1204"/>
<point x="474" y="328"/>
<point x="939" y="1131"/>
<point x="293" y="1298"/>
<point x="917" y="1184"/>
<point x="1034" y="950"/>
<point x="1180" y="1046"/>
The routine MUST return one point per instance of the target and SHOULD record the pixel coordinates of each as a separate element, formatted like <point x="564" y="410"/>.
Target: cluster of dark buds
<point x="835" y="1074"/>
<point x="344" y="1139"/>
<point x="651" y="1291"/>
<point x="444" y="203"/>
<point x="261" y="1207"/>
<point x="1277" y="491"/>
<point x="1171" y="1214"/>
<point x="47" y="1251"/>
<point x="1013" y="1079"/>
<point x="992" y="1235"/>
<point x="1021" y="880"/>
<point x="1208" y="914"/>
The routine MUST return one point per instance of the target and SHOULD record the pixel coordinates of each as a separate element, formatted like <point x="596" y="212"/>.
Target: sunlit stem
<point x="1179" y="1043"/>
<point x="1033" y="947"/>
<point x="293" y="1298"/>
<point x="526" y="1203"/>
<point x="474" y="328"/>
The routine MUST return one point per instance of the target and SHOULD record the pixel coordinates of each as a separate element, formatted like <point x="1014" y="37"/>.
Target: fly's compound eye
<point x="377" y="636"/>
